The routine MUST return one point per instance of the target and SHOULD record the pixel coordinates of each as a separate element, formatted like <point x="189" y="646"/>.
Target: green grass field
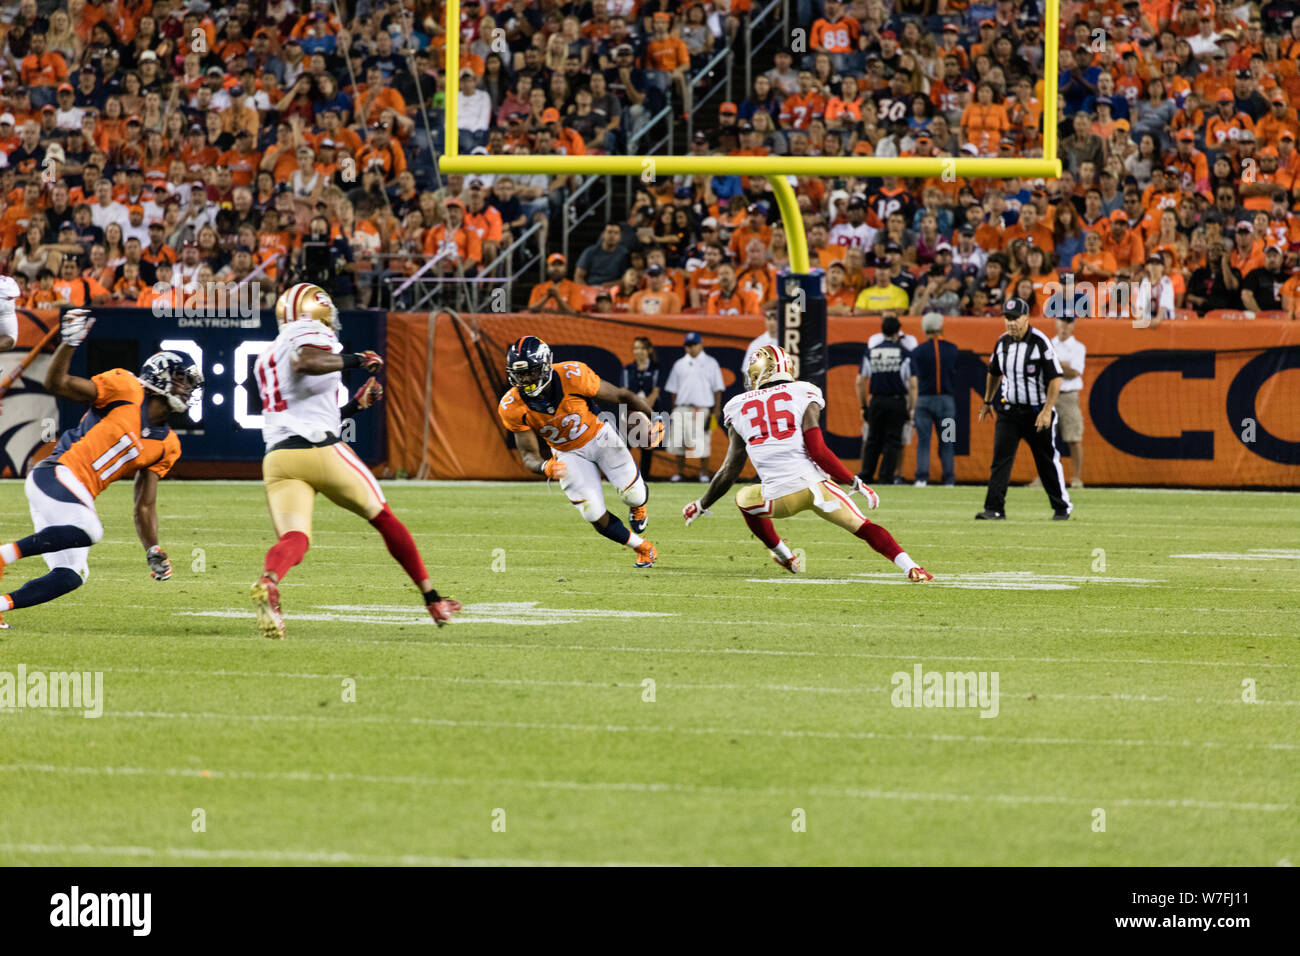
<point x="1120" y="660"/>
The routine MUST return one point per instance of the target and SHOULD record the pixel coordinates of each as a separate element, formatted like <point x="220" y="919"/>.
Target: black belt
<point x="297" y="441"/>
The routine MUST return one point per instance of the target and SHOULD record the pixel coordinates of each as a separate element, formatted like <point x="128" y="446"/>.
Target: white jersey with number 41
<point x="292" y="403"/>
<point x="770" y="419"/>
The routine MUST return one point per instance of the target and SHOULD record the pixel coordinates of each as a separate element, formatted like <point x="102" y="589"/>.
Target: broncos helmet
<point x="172" y="376"/>
<point x="528" y="365"/>
<point x="307" y="301"/>
<point x="768" y="364"/>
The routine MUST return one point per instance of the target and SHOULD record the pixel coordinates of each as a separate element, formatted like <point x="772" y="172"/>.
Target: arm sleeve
<point x="1051" y="367"/>
<point x="819" y="453"/>
<point x="995" y="368"/>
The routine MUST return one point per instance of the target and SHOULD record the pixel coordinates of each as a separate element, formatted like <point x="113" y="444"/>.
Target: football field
<point x="1133" y="677"/>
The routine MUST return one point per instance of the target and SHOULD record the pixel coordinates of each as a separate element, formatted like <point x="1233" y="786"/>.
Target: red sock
<point x="400" y="544"/>
<point x="286" y="552"/>
<point x="763" y="529"/>
<point x="880" y="539"/>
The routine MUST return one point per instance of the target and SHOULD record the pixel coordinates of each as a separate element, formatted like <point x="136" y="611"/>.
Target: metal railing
<point x="758" y="39"/>
<point x="477" y="293"/>
<point x="699" y="100"/>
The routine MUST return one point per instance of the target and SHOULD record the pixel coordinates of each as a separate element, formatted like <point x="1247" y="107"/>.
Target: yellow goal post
<point x="774" y="168"/>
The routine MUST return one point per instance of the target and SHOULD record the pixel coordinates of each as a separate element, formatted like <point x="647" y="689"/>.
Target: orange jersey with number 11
<point x="568" y="423"/>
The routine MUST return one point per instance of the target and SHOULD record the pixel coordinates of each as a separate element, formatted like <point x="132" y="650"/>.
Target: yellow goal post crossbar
<point x="774" y="168"/>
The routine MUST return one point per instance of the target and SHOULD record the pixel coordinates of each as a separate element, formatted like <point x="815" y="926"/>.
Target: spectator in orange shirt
<point x="731" y="299"/>
<point x="456" y="245"/>
<point x="484" y="220"/>
<point x="42" y="71"/>
<point x="1226" y="127"/>
<point x="1123" y="244"/>
<point x="566" y="140"/>
<point x="76" y="290"/>
<point x="1270" y="126"/>
<point x="836" y="35"/>
<point x="1094" y="263"/>
<point x="658" y="298"/>
<point x="557" y="294"/>
<point x="798" y="110"/>
<point x="839" y="297"/>
<point x="984" y="122"/>
<point x="755" y="227"/>
<point x="705" y="278"/>
<point x="667" y="60"/>
<point x="1028" y="227"/>
<point x="1247" y="253"/>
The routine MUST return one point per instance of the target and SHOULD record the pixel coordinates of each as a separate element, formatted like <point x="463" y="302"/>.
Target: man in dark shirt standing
<point x="1215" y="285"/>
<point x="1024" y="368"/>
<point x="885" y="373"/>
<point x="1261" y="290"/>
<point x="934" y="402"/>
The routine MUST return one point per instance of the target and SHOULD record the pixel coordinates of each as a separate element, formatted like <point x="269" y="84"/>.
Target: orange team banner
<point x="1209" y="403"/>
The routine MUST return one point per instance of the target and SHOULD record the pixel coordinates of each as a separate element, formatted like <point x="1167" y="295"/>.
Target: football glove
<point x="554" y="468"/>
<point x="75" y="325"/>
<point x="368" y="393"/>
<point x="860" y="488"/>
<point x="693" y="511"/>
<point x="160" y="569"/>
<point x="371" y="361"/>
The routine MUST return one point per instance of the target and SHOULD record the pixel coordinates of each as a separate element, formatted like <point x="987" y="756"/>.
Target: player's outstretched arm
<point x="59" y="382"/>
<point x="725" y="476"/>
<point x="146" y="524"/>
<point x="316" y="361"/>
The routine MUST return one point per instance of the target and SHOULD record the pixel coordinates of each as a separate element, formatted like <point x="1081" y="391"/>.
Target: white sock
<point x="783" y="551"/>
<point x="634" y="540"/>
<point x="8" y="553"/>
<point x="905" y="562"/>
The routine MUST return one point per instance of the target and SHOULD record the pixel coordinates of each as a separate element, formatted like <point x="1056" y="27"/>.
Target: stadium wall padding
<point x="1205" y="403"/>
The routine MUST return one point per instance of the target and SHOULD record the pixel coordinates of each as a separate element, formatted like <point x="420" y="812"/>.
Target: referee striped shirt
<point x="1027" y="367"/>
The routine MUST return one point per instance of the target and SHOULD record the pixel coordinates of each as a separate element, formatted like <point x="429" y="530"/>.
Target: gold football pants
<point x="293" y="476"/>
<point x="750" y="500"/>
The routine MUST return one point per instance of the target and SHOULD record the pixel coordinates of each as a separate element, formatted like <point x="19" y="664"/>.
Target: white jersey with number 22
<point x="292" y="403"/>
<point x="770" y="419"/>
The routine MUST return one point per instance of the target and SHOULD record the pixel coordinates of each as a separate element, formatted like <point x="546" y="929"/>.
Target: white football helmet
<point x="307" y="301"/>
<point x="768" y="364"/>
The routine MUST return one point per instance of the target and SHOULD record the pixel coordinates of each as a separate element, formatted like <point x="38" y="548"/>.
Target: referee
<point x="1025" y="366"/>
<point x="885" y="376"/>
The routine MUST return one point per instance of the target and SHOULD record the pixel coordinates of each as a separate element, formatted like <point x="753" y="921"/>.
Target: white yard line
<point x="1011" y="694"/>
<point x="777" y="734"/>
<point x="285" y="856"/>
<point x="821" y="790"/>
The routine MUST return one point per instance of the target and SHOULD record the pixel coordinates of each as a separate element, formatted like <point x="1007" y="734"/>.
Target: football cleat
<point x="4" y="625"/>
<point x="638" y="518"/>
<point x="919" y="574"/>
<point x="307" y="301"/>
<point x="442" y="610"/>
<point x="266" y="601"/>
<point x="645" y="555"/>
<point x="793" y="564"/>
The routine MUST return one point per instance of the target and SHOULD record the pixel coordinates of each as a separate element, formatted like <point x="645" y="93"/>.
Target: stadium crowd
<point x="149" y="141"/>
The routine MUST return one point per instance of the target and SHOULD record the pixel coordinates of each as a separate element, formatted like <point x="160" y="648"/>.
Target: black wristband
<point x="352" y="360"/>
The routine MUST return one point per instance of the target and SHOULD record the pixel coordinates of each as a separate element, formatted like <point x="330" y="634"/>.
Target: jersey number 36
<point x="769" y="419"/>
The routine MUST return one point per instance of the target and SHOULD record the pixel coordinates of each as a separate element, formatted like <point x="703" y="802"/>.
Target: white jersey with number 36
<point x="770" y="419"/>
<point x="293" y="403"/>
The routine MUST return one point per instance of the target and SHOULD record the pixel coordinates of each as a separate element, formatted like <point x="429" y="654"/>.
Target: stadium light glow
<point x="773" y="168"/>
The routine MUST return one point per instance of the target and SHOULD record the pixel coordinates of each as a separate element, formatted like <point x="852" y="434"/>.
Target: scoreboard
<point x="225" y="424"/>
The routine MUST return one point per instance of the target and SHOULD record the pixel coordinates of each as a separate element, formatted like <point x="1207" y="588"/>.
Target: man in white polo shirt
<point x="695" y="388"/>
<point x="1070" y="352"/>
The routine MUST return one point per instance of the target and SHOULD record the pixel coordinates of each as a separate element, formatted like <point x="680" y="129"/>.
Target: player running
<point x="559" y="403"/>
<point x="123" y="434"/>
<point x="776" y="422"/>
<point x="299" y="378"/>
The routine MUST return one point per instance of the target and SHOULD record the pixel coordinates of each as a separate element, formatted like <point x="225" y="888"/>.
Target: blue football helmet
<point x="528" y="365"/>
<point x="172" y="376"/>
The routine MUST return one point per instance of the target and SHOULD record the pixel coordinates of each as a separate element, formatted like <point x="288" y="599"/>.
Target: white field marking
<point x="409" y="618"/>
<point x="1254" y="554"/>
<point x="514" y="613"/>
<point x="1011" y="693"/>
<point x="290" y="856"/>
<point x="983" y="581"/>
<point x="859" y="793"/>
<point x="775" y="652"/>
<point x="780" y="734"/>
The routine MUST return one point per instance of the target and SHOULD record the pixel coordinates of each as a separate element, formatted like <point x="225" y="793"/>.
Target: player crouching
<point x="557" y="402"/>
<point x="777" y="423"/>
<point x="299" y="378"/>
<point x="124" y="434"/>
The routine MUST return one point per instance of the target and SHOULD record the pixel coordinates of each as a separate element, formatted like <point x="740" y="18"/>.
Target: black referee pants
<point x="886" y="416"/>
<point x="1016" y="422"/>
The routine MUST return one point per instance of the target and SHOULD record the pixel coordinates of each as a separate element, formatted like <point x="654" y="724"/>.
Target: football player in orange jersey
<point x="123" y="434"/>
<point x="558" y="402"/>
